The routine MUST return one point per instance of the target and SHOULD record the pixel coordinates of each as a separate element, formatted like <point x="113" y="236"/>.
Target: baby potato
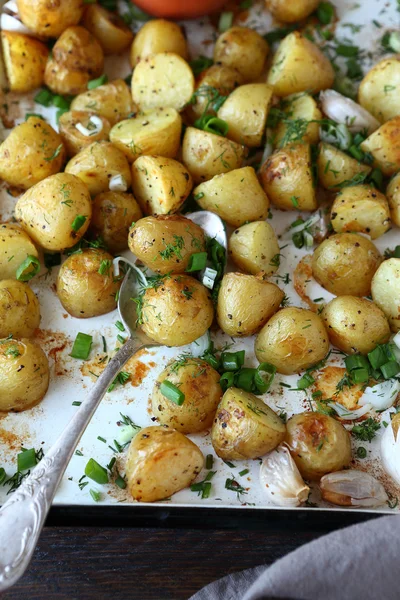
<point x="361" y="208"/>
<point x="384" y="145"/>
<point x="221" y="78"/>
<point x="242" y="49"/>
<point x="166" y="243"/>
<point x="254" y="247"/>
<point x="245" y="303"/>
<point x="156" y="36"/>
<point x="78" y="50"/>
<point x="318" y="444"/>
<point x="294" y="339"/>
<point x="246" y="110"/>
<point x="49" y="19"/>
<point x="355" y="324"/>
<point x="345" y="263"/>
<point x="24" y="59"/>
<point x="289" y="11"/>
<point x="200" y="384"/>
<point x="299" y="106"/>
<point x="177" y="311"/>
<point x="24" y="374"/>
<point x="236" y="196"/>
<point x="286" y="177"/>
<point x="155" y="131"/>
<point x="113" y="214"/>
<point x="56" y="212"/>
<point x="386" y="291"/>
<point x="31" y="152"/>
<point x="161" y="462"/>
<point x="61" y="80"/>
<point x="393" y="197"/>
<point x="75" y="141"/>
<point x="162" y="80"/>
<point x="299" y="66"/>
<point x="379" y="90"/>
<point x="160" y="185"/>
<point x="335" y="167"/>
<point x="108" y="28"/>
<point x="206" y="154"/>
<point x="19" y="309"/>
<point x="83" y="290"/>
<point x="96" y="164"/>
<point x="15" y="247"/>
<point x="113" y="101"/>
<point x="245" y="427"/>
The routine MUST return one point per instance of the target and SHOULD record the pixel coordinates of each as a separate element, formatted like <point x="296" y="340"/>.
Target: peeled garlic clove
<point x="281" y="479"/>
<point x="352" y="488"/>
<point x="390" y="449"/>
<point x="347" y="112"/>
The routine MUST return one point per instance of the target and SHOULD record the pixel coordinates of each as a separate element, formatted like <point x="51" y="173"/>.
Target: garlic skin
<point x="352" y="488"/>
<point x="347" y="112"/>
<point x="390" y="449"/>
<point x="281" y="479"/>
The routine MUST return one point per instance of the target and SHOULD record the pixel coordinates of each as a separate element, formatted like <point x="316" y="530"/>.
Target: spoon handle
<point x="23" y="515"/>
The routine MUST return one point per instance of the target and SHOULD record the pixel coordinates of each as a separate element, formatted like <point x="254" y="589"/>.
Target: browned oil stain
<point x="54" y="343"/>
<point x="10" y="439"/>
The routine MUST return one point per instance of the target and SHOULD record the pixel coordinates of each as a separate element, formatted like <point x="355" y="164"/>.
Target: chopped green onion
<point x="82" y="346"/>
<point x="278" y="34"/>
<point x="120" y="326"/>
<point x="120" y="482"/>
<point x="325" y="13"/>
<point x="3" y="475"/>
<point x="61" y="102"/>
<point x="361" y="452"/>
<point x="52" y="260"/>
<point x="377" y="357"/>
<point x="44" y="97"/>
<point x="37" y="115"/>
<point x="126" y="434"/>
<point x="28" y="269"/>
<point x="354" y="70"/>
<point x="396" y="252"/>
<point x="209" y="461"/>
<point x="212" y="360"/>
<point x="78" y="222"/>
<point x="59" y="113"/>
<point x="390" y="369"/>
<point x="76" y="403"/>
<point x="244" y="379"/>
<point x="216" y="126"/>
<point x="298" y="239"/>
<point x="197" y="262"/>
<point x="244" y="472"/>
<point x="229" y="463"/>
<point x="171" y="392"/>
<point x="105" y="266"/>
<point x="356" y="361"/>
<point x="95" y="495"/>
<point x="356" y="152"/>
<point x="101" y="439"/>
<point x="360" y="375"/>
<point x="358" y="139"/>
<point x="232" y="361"/>
<point x="206" y="490"/>
<point x="376" y="176"/>
<point x="225" y="21"/>
<point x="200" y="63"/>
<point x="345" y="86"/>
<point x="264" y="377"/>
<point x="227" y="380"/>
<point x="347" y="50"/>
<point x="96" y="472"/>
<point x="121" y="339"/>
<point x="305" y="381"/>
<point x="94" y="83"/>
<point x="26" y="459"/>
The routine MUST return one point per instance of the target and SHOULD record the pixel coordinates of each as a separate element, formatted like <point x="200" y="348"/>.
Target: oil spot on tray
<point x="54" y="344"/>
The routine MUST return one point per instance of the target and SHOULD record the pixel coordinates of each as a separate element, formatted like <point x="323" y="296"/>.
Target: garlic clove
<point x="349" y="415"/>
<point x="347" y="112"/>
<point x="382" y="395"/>
<point x="352" y="488"/>
<point x="390" y="449"/>
<point x="281" y="479"/>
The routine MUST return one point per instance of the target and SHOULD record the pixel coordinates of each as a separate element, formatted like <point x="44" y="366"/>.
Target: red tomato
<point x="179" y="9"/>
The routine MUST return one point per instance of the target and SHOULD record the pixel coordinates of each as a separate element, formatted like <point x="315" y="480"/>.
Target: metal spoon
<point x="23" y="515"/>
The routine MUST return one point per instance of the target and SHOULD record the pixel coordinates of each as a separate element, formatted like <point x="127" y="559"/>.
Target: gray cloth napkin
<point x="360" y="562"/>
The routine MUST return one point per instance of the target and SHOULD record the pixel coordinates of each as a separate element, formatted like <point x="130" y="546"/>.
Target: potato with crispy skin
<point x="384" y="145"/>
<point x="112" y="100"/>
<point x="360" y="208"/>
<point x="24" y="59"/>
<point x="379" y="90"/>
<point x="49" y="19"/>
<point x="113" y="215"/>
<point x="335" y="168"/>
<point x="243" y="49"/>
<point x="155" y="36"/>
<point x="74" y="140"/>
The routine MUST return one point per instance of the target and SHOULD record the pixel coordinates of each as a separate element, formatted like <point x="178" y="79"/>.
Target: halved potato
<point x="299" y="106"/>
<point x="25" y="61"/>
<point x="63" y="81"/>
<point x="243" y="49"/>
<point x="15" y="247"/>
<point x="112" y="100"/>
<point x="113" y="214"/>
<point x="361" y="208"/>
<point x="254" y="247"/>
<point x="379" y="90"/>
<point x="108" y="28"/>
<point x="384" y="145"/>
<point x="78" y="50"/>
<point x="74" y="140"/>
<point x="155" y="36"/>
<point x="393" y="197"/>
<point x="336" y="168"/>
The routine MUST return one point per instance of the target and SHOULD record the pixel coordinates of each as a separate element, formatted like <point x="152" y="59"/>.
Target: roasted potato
<point x="379" y="90"/>
<point x="286" y="177"/>
<point x="361" y="208"/>
<point x="31" y="152"/>
<point x="355" y="324"/>
<point x="155" y="131"/>
<point x="158" y="35"/>
<point x="299" y="66"/>
<point x="245" y="427"/>
<point x="242" y="49"/>
<point x="15" y="247"/>
<point x="25" y="61"/>
<point x="113" y="214"/>
<point x="384" y="145"/>
<point x="299" y="106"/>
<point x="245" y="303"/>
<point x="393" y="198"/>
<point x="24" y="374"/>
<point x="206" y="154"/>
<point x="335" y="167"/>
<point x="245" y="111"/>
<point x="386" y="291"/>
<point x="345" y="263"/>
<point x="73" y="139"/>
<point x="176" y="311"/>
<point x="63" y="81"/>
<point x="327" y="385"/>
<point x="166" y="243"/>
<point x="56" y="212"/>
<point x="161" y="462"/>
<point x="289" y="11"/>
<point x="108" y="28"/>
<point x="218" y="77"/>
<point x="113" y="101"/>
<point x="160" y="185"/>
<point x="318" y="444"/>
<point x="19" y="309"/>
<point x="162" y="80"/>
<point x="84" y="289"/>
<point x="49" y="19"/>
<point x="294" y="339"/>
<point x="254" y="247"/>
<point x="236" y="196"/>
<point x="200" y="384"/>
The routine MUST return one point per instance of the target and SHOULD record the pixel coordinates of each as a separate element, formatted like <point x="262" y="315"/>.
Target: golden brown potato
<point x="19" y="309"/>
<point x="254" y="247"/>
<point x="15" y="247"/>
<point x="49" y="19"/>
<point x="299" y="66"/>
<point x="86" y="285"/>
<point x="161" y="462"/>
<point x="335" y="167"/>
<point x="245" y="303"/>
<point x="228" y="196"/>
<point x="176" y="311"/>
<point x="345" y="263"/>
<point x="379" y="90"/>
<point x="294" y="339"/>
<point x="160" y="185"/>
<point x="393" y="198"/>
<point x="289" y="11"/>
<point x="56" y="212"/>
<point x="113" y="101"/>
<point x="242" y="49"/>
<point x="245" y="427"/>
<point x="25" y="61"/>
<point x="73" y="139"/>
<point x="113" y="214"/>
<point x="206" y="154"/>
<point x="24" y="374"/>
<point x="327" y="384"/>
<point x="200" y="384"/>
<point x="30" y="153"/>
<point x="108" y="28"/>
<point x="286" y="177"/>
<point x="219" y="77"/>
<point x="384" y="145"/>
<point x="78" y="50"/>
<point x="361" y="208"/>
<point x="155" y="36"/>
<point x="386" y="291"/>
<point x="166" y="243"/>
<point x="318" y="444"/>
<point x="63" y="81"/>
<point x="299" y="106"/>
<point x="355" y="324"/>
